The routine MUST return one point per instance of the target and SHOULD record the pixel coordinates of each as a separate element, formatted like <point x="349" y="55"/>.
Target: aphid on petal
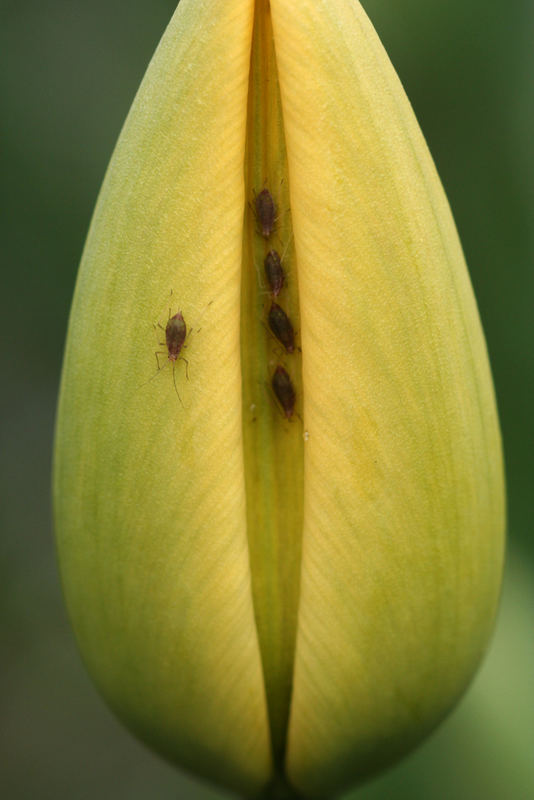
<point x="274" y="272"/>
<point x="284" y="391"/>
<point x="266" y="212"/>
<point x="281" y="326"/>
<point x="175" y="335"/>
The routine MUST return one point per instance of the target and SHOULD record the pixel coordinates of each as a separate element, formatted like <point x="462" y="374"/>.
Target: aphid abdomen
<point x="284" y="391"/>
<point x="266" y="212"/>
<point x="281" y="326"/>
<point x="175" y="333"/>
<point x="274" y="272"/>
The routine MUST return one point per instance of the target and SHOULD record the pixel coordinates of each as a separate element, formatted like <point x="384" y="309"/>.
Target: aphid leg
<point x="269" y="331"/>
<point x="191" y="330"/>
<point x="174" y="381"/>
<point x="157" y="371"/>
<point x="270" y="391"/>
<point x="260" y="282"/>
<point x="160" y="353"/>
<point x="287" y="245"/>
<point x="266" y="214"/>
<point x="186" y="362"/>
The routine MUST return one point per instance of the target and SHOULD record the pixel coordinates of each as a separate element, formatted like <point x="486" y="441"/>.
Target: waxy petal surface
<point x="149" y="495"/>
<point x="403" y="504"/>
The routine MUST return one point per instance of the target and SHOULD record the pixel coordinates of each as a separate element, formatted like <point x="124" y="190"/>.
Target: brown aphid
<point x="175" y="334"/>
<point x="274" y="272"/>
<point x="284" y="391"/>
<point x="266" y="212"/>
<point x="281" y="326"/>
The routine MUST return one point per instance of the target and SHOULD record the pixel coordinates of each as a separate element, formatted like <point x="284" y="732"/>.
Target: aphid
<point x="284" y="391"/>
<point x="281" y="326"/>
<point x="175" y="333"/>
<point x="266" y="212"/>
<point x="274" y="272"/>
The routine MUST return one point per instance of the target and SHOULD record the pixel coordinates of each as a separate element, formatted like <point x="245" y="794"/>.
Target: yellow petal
<point x="398" y="476"/>
<point x="403" y="506"/>
<point x="150" y="496"/>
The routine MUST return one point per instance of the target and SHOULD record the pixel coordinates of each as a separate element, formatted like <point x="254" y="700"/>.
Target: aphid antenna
<point x="267" y="181"/>
<point x="263" y="186"/>
<point x="286" y="247"/>
<point x="168" y="307"/>
<point x="205" y="309"/>
<point x="160" y="368"/>
<point x="280" y="227"/>
<point x="190" y="331"/>
<point x="278" y="407"/>
<point x="174" y="381"/>
<point x="157" y="371"/>
<point x="271" y="334"/>
<point x="263" y="288"/>
<point x="280" y="351"/>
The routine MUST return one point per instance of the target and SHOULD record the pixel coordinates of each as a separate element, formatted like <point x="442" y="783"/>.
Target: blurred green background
<point x="68" y="73"/>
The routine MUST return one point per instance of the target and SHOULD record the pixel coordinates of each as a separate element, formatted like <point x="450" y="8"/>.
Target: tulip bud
<point x="281" y="547"/>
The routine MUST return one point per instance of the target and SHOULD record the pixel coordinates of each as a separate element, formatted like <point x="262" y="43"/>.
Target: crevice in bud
<point x="273" y="436"/>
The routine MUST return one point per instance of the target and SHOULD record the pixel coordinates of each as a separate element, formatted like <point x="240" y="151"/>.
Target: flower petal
<point x="404" y="502"/>
<point x="149" y="495"/>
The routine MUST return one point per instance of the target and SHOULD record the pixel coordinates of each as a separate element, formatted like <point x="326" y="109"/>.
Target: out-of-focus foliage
<point x="68" y="72"/>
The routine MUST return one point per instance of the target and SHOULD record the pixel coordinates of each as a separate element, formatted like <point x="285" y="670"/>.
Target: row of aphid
<point x="278" y="320"/>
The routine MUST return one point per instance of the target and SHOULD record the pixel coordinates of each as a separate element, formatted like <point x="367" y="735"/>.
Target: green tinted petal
<point x="149" y="486"/>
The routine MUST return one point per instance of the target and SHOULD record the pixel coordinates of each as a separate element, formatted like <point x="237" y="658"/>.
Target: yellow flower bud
<point x="281" y="558"/>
